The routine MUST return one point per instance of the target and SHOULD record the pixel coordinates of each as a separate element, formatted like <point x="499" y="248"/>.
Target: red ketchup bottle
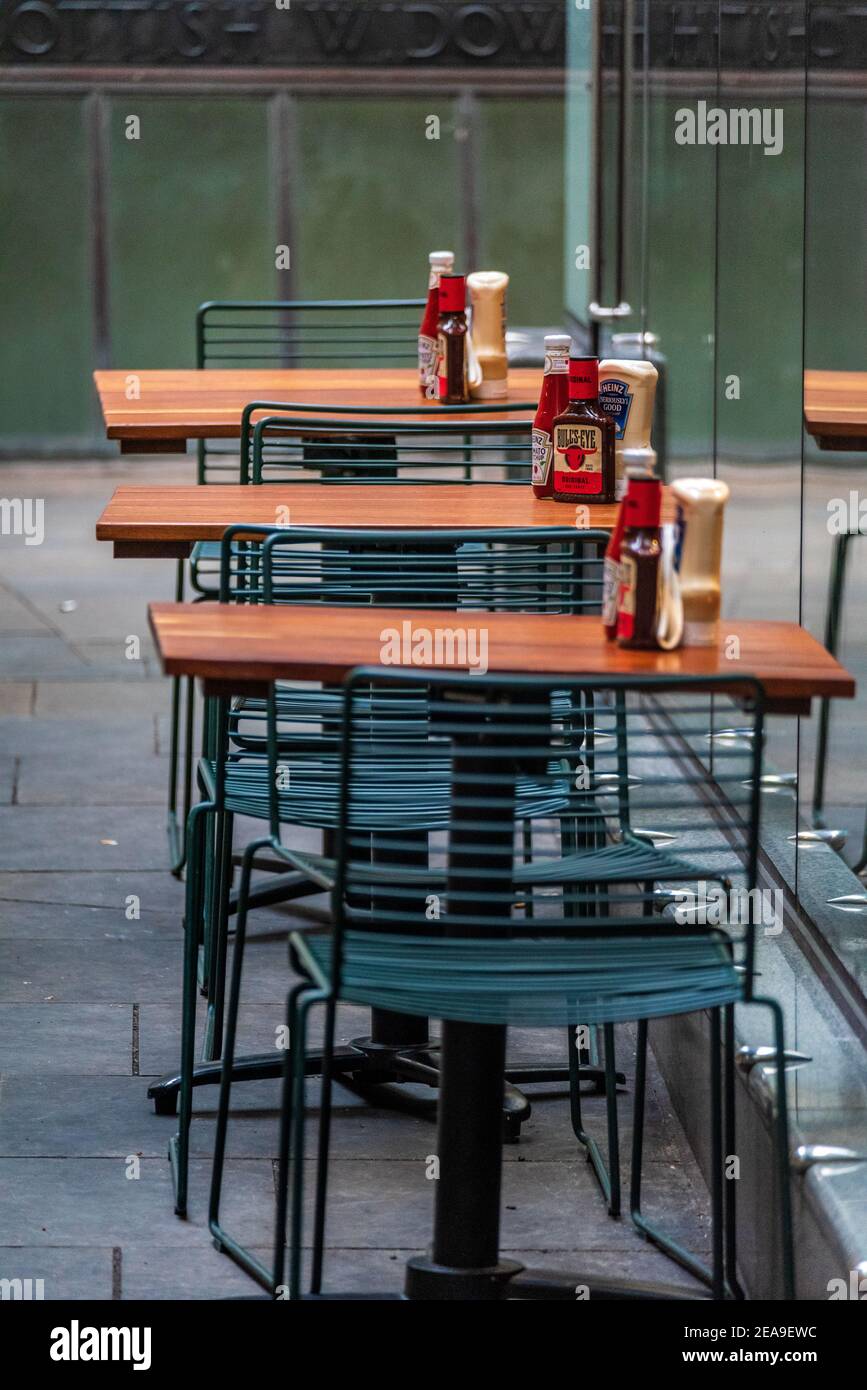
<point x="611" y="575"/>
<point x="552" y="402"/>
<point x="441" y="263"/>
<point x="640" y="551"/>
<point x="452" y="341"/>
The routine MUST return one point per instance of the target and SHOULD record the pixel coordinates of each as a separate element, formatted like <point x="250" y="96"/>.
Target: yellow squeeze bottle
<point x="486" y="290"/>
<point x="627" y="392"/>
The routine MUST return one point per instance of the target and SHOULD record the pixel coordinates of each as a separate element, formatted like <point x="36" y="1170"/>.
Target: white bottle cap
<point x="558" y="342"/>
<point x="639" y="460"/>
<point x="442" y="259"/>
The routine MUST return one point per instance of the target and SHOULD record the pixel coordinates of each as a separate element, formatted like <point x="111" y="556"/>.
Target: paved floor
<point x="89" y="991"/>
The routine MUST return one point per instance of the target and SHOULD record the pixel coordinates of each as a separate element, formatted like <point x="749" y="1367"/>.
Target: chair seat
<point x="310" y="706"/>
<point x="415" y="795"/>
<point x="529" y="981"/>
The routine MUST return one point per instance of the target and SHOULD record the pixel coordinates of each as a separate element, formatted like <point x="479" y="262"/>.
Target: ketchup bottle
<point x="611" y="575"/>
<point x="640" y="552"/>
<point x="552" y="402"/>
<point x="583" y="438"/>
<point x="452" y="341"/>
<point x="441" y="263"/>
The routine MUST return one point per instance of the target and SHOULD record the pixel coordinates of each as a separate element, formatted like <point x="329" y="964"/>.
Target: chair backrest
<point x="506" y="750"/>
<point x="299" y="333"/>
<point x="401" y="448"/>
<point x="307" y="332"/>
<point x="541" y="570"/>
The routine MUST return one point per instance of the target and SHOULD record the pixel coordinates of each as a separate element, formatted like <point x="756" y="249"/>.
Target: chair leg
<point x="219" y="936"/>
<point x="290" y="1173"/>
<point x="781" y="1149"/>
<point x="730" y="1148"/>
<point x="222" y="1239"/>
<point x="717" y="1276"/>
<point x="609" y="1183"/>
<point x="832" y="633"/>
<point x="325" y="1093"/>
<point x="651" y="1232"/>
<point x="179" y="1146"/>
<point x="177" y="846"/>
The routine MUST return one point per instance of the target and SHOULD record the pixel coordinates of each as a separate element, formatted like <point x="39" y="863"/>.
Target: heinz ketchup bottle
<point x="552" y="402"/>
<point x="441" y="263"/>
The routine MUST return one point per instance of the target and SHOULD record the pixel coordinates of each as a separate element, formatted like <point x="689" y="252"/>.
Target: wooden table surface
<point x="167" y="521"/>
<point x="835" y="408"/>
<point x="174" y="406"/>
<point x="238" y="648"/>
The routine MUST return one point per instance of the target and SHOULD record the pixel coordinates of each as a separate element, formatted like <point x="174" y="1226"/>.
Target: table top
<point x="238" y="648"/>
<point x="835" y="408"/>
<point x="174" y="406"/>
<point x="167" y="521"/>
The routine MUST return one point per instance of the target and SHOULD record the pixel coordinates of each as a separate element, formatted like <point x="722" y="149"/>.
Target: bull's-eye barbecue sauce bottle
<point x="452" y="341"/>
<point x="583" y="440"/>
<point x="552" y="402"/>
<point x="640" y="550"/>
<point x="441" y="263"/>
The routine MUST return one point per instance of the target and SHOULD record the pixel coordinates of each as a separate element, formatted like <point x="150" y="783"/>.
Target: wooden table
<point x="167" y="521"/>
<point x="835" y="409"/>
<point x="235" y="648"/>
<point x="174" y="406"/>
<point x="240" y="648"/>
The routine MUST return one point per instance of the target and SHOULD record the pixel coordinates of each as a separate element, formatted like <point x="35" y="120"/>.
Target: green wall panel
<point x="45" y="357"/>
<point x="520" y="182"/>
<point x="373" y="196"/>
<point x="190" y="220"/>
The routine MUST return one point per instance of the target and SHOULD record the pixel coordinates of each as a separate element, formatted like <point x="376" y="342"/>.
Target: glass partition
<point x="742" y="135"/>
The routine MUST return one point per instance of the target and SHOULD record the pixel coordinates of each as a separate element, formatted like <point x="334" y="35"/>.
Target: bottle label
<point x="441" y="374"/>
<point x="578" y="459"/>
<point x="427" y="365"/>
<point x="541" y="455"/>
<point x="615" y="398"/>
<point x="610" y="590"/>
<point x="626" y="597"/>
<point x="556" y="364"/>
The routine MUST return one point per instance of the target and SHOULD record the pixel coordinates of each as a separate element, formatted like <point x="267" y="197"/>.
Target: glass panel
<point x="759" y="362"/>
<point x="378" y="195"/>
<point x="520" y="193"/>
<point x="834" y="786"/>
<point x="45" y="385"/>
<point x="191" y="220"/>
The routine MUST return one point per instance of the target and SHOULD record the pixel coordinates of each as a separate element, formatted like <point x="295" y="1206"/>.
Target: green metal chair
<point x="537" y="571"/>
<point x="833" y="614"/>
<point x="269" y="333"/>
<point x="569" y="936"/>
<point x="338" y="451"/>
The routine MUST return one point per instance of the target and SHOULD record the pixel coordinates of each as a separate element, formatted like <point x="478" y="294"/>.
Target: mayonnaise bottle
<point x="486" y="292"/>
<point x="700" y="505"/>
<point x="627" y="392"/>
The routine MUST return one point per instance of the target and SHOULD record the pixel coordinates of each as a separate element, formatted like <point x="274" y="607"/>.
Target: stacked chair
<point x="565" y="936"/>
<point x="552" y="571"/>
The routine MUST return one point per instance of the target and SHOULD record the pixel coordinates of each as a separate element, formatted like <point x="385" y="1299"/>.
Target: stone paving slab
<point x="156" y="890"/>
<point x="67" y="1038"/>
<point x="89" y="998"/>
<point x="17" y="697"/>
<point x="99" y="837"/>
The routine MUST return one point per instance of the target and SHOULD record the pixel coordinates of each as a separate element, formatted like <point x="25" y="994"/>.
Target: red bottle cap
<point x="583" y="378"/>
<point x="642" y="505"/>
<point x="453" y="294"/>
